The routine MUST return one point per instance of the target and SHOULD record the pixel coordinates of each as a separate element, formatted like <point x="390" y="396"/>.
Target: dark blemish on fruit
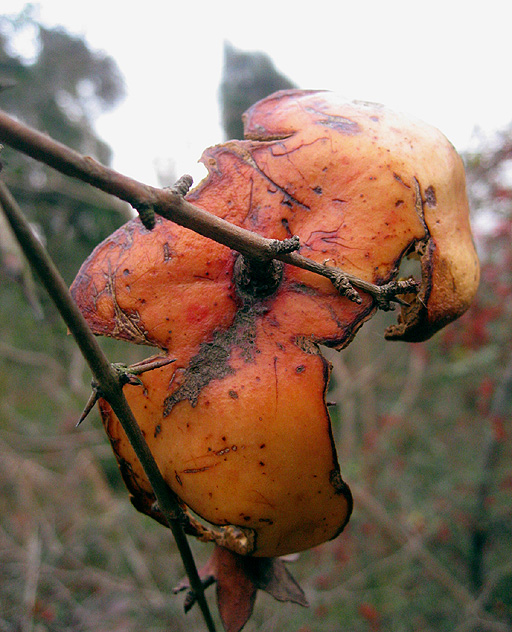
<point x="338" y="123"/>
<point x="300" y="369"/>
<point x="399" y="179"/>
<point x="286" y="226"/>
<point x="196" y="470"/>
<point x="430" y="196"/>
<point x="233" y="394"/>
<point x="212" y="360"/>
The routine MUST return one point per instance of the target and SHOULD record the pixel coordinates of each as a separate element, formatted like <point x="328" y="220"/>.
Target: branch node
<point x="182" y="185"/>
<point x="126" y="374"/>
<point x="147" y="215"/>
<point x="388" y="294"/>
<point x="341" y="282"/>
<point x="285" y="246"/>
<point x="190" y="596"/>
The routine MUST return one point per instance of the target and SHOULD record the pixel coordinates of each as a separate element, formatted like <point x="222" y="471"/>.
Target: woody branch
<point x="109" y="382"/>
<point x="171" y="204"/>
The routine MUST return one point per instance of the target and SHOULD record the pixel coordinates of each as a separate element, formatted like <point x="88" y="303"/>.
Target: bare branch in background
<point x="401" y="537"/>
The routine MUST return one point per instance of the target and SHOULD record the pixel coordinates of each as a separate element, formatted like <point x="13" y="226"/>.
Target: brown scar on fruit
<point x="212" y="360"/>
<point x="127" y="323"/>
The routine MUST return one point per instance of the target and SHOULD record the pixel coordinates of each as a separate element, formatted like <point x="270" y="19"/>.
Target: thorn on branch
<point x="91" y="402"/>
<point x="126" y="375"/>
<point x="190" y="596"/>
<point x="128" y="372"/>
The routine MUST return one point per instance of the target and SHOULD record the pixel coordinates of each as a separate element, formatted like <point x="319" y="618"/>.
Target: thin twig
<point x="401" y="537"/>
<point x="481" y="530"/>
<point x="414" y="379"/>
<point x="433" y="567"/>
<point x="33" y="563"/>
<point x="108" y="379"/>
<point x="170" y="204"/>
<point x="32" y="359"/>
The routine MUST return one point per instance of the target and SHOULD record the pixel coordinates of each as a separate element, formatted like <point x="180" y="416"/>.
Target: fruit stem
<point x="257" y="279"/>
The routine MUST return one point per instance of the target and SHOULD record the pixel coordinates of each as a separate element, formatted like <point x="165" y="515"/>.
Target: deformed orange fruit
<point x="238" y="424"/>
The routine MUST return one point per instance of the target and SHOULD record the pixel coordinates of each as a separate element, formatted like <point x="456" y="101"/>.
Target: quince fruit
<point x="238" y="424"/>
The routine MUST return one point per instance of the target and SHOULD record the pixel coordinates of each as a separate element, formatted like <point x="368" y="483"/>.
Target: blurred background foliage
<point x="423" y="431"/>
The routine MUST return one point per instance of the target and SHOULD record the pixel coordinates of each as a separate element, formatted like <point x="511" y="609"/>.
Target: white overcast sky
<point x="447" y="62"/>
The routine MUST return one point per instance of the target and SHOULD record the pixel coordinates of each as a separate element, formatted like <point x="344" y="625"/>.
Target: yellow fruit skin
<point x="387" y="167"/>
<point x="238" y="424"/>
<point x="256" y="448"/>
